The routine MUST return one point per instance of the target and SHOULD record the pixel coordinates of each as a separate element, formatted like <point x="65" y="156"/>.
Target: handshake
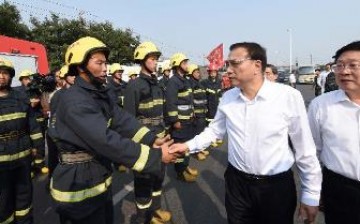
<point x="170" y="151"/>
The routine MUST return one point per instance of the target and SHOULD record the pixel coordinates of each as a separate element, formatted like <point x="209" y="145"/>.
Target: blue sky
<point x="319" y="27"/>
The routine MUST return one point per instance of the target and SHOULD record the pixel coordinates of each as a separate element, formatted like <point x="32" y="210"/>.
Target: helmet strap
<point x="92" y="79"/>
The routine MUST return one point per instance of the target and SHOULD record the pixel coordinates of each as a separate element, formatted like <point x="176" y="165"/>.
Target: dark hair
<point x="354" y="46"/>
<point x="273" y="68"/>
<point x="318" y="69"/>
<point x="256" y="51"/>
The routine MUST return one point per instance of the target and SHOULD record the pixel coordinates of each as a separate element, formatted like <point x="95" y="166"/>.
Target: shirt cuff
<point x="310" y="199"/>
<point x="192" y="146"/>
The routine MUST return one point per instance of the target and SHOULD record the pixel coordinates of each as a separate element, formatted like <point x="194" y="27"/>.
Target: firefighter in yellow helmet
<point x="92" y="132"/>
<point x="179" y="110"/>
<point x="200" y="105"/>
<point x="145" y="100"/>
<point x="68" y="80"/>
<point x="116" y="84"/>
<point x="25" y="78"/>
<point x="132" y="75"/>
<point x="165" y="77"/>
<point x="19" y="132"/>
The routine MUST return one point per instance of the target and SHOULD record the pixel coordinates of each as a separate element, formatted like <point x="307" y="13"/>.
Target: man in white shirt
<point x="259" y="182"/>
<point x="292" y="80"/>
<point x="323" y="76"/>
<point x="335" y="120"/>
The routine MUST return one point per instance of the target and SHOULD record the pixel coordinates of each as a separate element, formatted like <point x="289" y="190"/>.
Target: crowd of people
<point x="95" y="124"/>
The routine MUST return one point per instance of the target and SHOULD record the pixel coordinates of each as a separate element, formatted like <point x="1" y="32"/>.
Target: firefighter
<point x="25" y="80"/>
<point x="145" y="100"/>
<point x="165" y="78"/>
<point x="19" y="133"/>
<point x="92" y="132"/>
<point x="68" y="80"/>
<point x="200" y="106"/>
<point x="213" y="92"/>
<point x="132" y="75"/>
<point x="25" y="77"/>
<point x="116" y="83"/>
<point x="179" y="112"/>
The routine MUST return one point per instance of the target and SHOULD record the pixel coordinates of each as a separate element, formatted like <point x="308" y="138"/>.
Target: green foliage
<point x="57" y="33"/>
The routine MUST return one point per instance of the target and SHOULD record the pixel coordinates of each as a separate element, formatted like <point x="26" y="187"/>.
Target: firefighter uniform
<point x="53" y="154"/>
<point x="117" y="88"/>
<point x="213" y="92"/>
<point x="92" y="132"/>
<point x="38" y="163"/>
<point x="200" y="107"/>
<point x="145" y="100"/>
<point x="179" y="108"/>
<point x="165" y="79"/>
<point x="19" y="133"/>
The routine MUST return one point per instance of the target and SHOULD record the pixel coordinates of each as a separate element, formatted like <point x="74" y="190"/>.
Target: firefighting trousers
<point x="16" y="195"/>
<point x="148" y="190"/>
<point x="199" y="125"/>
<point x="182" y="135"/>
<point x="102" y="215"/>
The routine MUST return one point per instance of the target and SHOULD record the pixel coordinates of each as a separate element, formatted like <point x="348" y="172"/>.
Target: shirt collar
<point x="341" y="96"/>
<point x="264" y="92"/>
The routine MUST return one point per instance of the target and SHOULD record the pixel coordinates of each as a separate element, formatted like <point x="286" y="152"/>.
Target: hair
<point x="255" y="50"/>
<point x="318" y="69"/>
<point x="354" y="46"/>
<point x="273" y="68"/>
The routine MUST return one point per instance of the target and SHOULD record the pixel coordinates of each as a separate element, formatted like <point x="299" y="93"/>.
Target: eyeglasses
<point x="235" y="62"/>
<point x="339" y="67"/>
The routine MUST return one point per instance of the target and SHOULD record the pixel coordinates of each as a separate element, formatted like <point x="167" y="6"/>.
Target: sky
<point x="317" y="27"/>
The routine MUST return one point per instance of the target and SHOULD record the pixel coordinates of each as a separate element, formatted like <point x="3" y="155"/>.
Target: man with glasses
<point x="334" y="121"/>
<point x="259" y="182"/>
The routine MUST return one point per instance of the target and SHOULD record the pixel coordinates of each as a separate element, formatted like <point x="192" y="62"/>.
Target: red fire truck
<point x="24" y="55"/>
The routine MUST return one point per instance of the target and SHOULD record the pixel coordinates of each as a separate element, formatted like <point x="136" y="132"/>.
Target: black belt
<point x="267" y="178"/>
<point x="338" y="177"/>
<point x="12" y="135"/>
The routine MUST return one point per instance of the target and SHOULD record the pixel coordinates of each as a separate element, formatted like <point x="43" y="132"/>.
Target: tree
<point x="57" y="34"/>
<point x="10" y="22"/>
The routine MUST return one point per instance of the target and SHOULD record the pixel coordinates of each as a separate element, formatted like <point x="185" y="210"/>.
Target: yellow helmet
<point x="192" y="68"/>
<point x="177" y="58"/>
<point x="25" y="73"/>
<point x="132" y="72"/>
<point x="115" y="67"/>
<point x="166" y="68"/>
<point x="7" y="65"/>
<point x="145" y="49"/>
<point x="79" y="50"/>
<point x="64" y="71"/>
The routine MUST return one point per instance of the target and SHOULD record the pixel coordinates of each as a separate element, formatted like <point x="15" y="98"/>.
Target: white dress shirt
<point x="323" y="77"/>
<point x="335" y="123"/>
<point x="258" y="133"/>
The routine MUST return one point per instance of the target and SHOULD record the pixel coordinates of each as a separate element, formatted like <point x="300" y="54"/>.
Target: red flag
<point x="216" y="56"/>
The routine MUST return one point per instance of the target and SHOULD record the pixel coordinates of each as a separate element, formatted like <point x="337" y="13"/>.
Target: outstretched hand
<point x="179" y="148"/>
<point x="160" y="141"/>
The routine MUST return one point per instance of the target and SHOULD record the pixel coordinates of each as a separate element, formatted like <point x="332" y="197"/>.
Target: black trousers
<point x="16" y="194"/>
<point x="268" y="200"/>
<point x="147" y="190"/>
<point x="341" y="198"/>
<point x="103" y="215"/>
<point x="182" y="135"/>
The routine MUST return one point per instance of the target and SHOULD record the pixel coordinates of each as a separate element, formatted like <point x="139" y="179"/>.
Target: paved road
<point x="196" y="203"/>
